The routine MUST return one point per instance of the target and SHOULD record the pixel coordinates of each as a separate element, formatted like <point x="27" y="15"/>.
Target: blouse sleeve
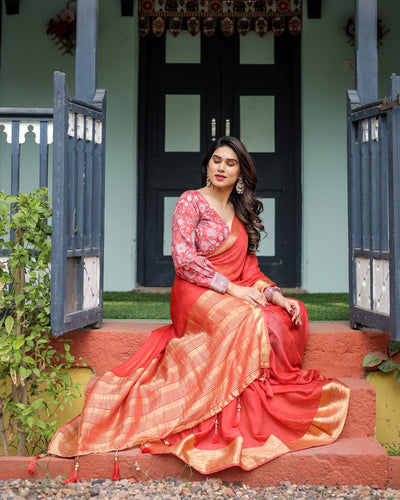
<point x="189" y="264"/>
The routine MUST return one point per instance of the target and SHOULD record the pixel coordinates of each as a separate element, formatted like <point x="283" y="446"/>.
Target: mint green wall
<point x="117" y="72"/>
<point x="29" y="58"/>
<point x="324" y="86"/>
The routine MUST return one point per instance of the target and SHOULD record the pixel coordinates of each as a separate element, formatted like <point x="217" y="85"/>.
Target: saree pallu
<point x="222" y="386"/>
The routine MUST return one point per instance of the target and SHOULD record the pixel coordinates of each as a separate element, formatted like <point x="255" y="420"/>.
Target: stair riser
<point x="346" y="462"/>
<point x="332" y="348"/>
<point x="340" y="353"/>
<point x="361" y="416"/>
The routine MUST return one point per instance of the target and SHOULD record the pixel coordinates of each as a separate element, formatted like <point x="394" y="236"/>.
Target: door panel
<point x="249" y="88"/>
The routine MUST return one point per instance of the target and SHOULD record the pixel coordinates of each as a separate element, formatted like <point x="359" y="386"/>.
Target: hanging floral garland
<point x="350" y="30"/>
<point x="63" y="29"/>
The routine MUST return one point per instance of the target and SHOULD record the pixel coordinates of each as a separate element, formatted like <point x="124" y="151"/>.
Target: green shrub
<point x="34" y="382"/>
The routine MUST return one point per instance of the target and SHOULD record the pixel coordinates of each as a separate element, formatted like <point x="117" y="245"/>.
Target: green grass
<point x="134" y="305"/>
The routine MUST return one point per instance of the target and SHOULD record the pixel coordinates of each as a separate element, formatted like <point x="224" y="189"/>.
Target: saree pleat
<point x="222" y="386"/>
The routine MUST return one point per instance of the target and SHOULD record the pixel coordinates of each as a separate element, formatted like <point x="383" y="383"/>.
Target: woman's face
<point x="223" y="168"/>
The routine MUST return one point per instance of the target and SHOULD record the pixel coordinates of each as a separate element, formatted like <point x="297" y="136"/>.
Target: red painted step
<point x="348" y="461"/>
<point x="333" y="348"/>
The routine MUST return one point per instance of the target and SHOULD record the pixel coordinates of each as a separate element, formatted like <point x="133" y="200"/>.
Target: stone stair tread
<point x="348" y="461"/>
<point x="332" y="348"/>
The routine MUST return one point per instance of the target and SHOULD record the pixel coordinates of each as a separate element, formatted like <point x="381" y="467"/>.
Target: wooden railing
<point x="374" y="211"/>
<point x="78" y="210"/>
<point x="77" y="132"/>
<point x="16" y="123"/>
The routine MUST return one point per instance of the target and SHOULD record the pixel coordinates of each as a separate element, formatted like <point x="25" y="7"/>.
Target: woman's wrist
<point x="270" y="293"/>
<point x="278" y="298"/>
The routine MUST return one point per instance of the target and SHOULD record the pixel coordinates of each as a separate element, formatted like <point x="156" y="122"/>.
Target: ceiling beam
<point x="126" y="7"/>
<point x="314" y="9"/>
<point x="12" y="6"/>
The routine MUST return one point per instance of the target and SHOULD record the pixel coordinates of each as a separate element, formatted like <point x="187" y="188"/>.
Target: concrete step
<point x="123" y="338"/>
<point x="361" y="416"/>
<point x="332" y="348"/>
<point x="348" y="461"/>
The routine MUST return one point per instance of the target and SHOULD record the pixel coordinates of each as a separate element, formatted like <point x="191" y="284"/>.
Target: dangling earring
<point x="240" y="185"/>
<point x="208" y="182"/>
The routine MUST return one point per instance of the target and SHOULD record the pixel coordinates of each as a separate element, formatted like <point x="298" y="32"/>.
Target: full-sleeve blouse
<point x="197" y="231"/>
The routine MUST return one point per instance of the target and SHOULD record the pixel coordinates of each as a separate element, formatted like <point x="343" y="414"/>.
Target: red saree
<point x="221" y="386"/>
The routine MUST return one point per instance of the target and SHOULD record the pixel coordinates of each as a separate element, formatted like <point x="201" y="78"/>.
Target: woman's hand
<point x="248" y="294"/>
<point x="291" y="306"/>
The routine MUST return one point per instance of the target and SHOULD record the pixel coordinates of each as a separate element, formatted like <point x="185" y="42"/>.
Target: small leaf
<point x="29" y="360"/>
<point x="9" y="324"/>
<point x="372" y="359"/>
<point x="41" y="424"/>
<point x="30" y="421"/>
<point x="393" y="347"/>
<point x="17" y="344"/>
<point x="389" y="365"/>
<point x="24" y="372"/>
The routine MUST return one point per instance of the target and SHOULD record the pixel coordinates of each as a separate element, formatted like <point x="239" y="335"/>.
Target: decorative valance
<point x="261" y="16"/>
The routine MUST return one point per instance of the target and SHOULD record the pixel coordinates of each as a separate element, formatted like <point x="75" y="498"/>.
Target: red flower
<point x="63" y="30"/>
<point x="67" y="15"/>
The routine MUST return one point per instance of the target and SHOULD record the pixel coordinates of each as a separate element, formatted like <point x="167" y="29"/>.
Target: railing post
<point x="86" y="50"/>
<point x="366" y="20"/>
<point x="394" y="207"/>
<point x="353" y="193"/>
<point x="60" y="160"/>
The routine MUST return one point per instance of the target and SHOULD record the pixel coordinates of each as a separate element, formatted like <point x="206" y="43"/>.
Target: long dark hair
<point x="247" y="207"/>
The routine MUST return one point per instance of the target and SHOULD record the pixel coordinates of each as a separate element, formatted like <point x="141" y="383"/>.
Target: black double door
<point x="190" y="92"/>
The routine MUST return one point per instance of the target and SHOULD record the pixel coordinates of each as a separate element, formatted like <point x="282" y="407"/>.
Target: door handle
<point x="227" y="127"/>
<point x="213" y="129"/>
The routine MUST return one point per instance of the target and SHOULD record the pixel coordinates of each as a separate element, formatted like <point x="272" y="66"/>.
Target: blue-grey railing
<point x="374" y="211"/>
<point x="78" y="210"/>
<point x="16" y="123"/>
<point x="77" y="132"/>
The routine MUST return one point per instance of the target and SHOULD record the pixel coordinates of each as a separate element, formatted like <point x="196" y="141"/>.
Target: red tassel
<point x="265" y="373"/>
<point x="74" y="477"/>
<point x="237" y="418"/>
<point x="31" y="466"/>
<point x="115" y="476"/>
<point x="215" y="435"/>
<point x="268" y="388"/>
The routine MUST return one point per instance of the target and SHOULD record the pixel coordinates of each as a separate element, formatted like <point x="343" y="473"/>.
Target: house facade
<point x="167" y="97"/>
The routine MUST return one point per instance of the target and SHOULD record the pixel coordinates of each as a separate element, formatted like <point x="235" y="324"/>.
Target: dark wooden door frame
<point x="294" y="107"/>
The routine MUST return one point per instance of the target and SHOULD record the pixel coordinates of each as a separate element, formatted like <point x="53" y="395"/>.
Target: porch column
<point x="86" y="50"/>
<point x="366" y="19"/>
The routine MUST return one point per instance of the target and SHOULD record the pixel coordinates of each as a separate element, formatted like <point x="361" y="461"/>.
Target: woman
<point x="223" y="385"/>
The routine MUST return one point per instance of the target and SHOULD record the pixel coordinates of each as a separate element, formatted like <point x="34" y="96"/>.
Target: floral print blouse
<point x="198" y="231"/>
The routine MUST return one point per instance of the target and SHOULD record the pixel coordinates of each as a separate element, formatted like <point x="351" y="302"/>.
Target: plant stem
<point x="3" y="438"/>
<point x="21" y="390"/>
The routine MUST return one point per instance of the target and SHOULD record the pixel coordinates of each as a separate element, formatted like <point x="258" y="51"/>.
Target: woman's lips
<point x="220" y="177"/>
